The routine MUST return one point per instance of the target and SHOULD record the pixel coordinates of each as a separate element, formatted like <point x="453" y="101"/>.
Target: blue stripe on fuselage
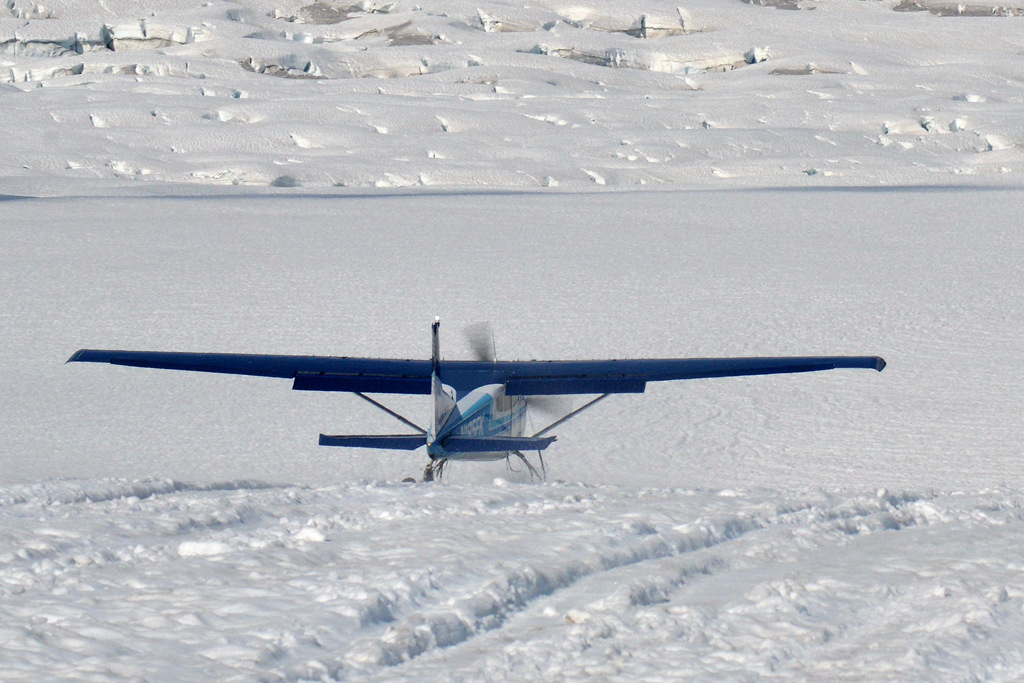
<point x="478" y="414"/>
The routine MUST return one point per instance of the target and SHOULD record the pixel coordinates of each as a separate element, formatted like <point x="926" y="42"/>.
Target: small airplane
<point x="479" y="406"/>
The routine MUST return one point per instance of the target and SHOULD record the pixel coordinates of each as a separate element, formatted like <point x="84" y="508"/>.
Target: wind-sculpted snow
<point x="286" y="93"/>
<point x="960" y="9"/>
<point x="505" y="581"/>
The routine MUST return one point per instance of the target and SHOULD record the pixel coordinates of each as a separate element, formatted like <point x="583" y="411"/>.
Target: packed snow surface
<point x="597" y="180"/>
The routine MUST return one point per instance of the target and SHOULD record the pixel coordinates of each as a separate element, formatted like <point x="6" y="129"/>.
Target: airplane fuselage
<point x="484" y="412"/>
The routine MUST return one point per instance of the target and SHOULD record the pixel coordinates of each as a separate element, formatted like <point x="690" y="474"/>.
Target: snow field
<point x="833" y="526"/>
<point x="773" y="177"/>
<point x="927" y="278"/>
<point x="109" y="578"/>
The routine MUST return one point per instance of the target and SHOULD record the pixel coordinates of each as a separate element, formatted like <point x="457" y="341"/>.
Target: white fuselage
<point x="484" y="412"/>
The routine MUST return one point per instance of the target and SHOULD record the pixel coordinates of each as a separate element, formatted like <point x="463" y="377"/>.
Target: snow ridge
<point x="67" y="492"/>
<point x="578" y="567"/>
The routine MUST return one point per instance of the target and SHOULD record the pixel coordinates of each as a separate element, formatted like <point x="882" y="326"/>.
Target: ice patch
<point x="506" y="24"/>
<point x="233" y="116"/>
<point x="310" y="534"/>
<point x="756" y="55"/>
<point x="203" y="548"/>
<point x="785" y="4"/>
<point x="998" y="142"/>
<point x="303" y="142"/>
<point x="288" y="67"/>
<point x="645" y="60"/>
<point x="957" y="9"/>
<point x="805" y="70"/>
<point x="327" y="13"/>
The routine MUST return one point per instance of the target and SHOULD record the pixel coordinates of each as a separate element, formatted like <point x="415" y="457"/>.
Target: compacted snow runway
<point x="929" y="279"/>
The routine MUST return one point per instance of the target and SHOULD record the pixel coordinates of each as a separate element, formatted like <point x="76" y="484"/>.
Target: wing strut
<point x="390" y="412"/>
<point x="570" y="415"/>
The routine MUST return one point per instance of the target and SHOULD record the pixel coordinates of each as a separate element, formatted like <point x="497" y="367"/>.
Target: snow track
<point x="114" y="579"/>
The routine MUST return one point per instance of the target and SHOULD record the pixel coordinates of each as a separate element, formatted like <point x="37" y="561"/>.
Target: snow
<point x="634" y="583"/>
<point x="488" y="94"/>
<point x="596" y="180"/>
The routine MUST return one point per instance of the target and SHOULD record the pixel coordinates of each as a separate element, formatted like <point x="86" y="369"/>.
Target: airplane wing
<point x="533" y="378"/>
<point x="521" y="378"/>
<point x="311" y="373"/>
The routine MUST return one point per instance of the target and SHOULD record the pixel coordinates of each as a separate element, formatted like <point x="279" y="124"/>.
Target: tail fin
<point x="444" y="403"/>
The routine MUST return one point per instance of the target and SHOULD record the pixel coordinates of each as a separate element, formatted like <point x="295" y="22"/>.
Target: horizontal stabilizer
<point x="399" y="442"/>
<point x="484" y="444"/>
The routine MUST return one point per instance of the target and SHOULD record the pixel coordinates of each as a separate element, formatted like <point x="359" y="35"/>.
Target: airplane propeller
<point x="480" y="337"/>
<point x="550" y="406"/>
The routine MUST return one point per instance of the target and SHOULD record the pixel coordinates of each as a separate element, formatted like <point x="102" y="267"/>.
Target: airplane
<point x="479" y="406"/>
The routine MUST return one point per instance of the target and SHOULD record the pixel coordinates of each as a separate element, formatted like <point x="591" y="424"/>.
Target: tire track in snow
<point x="372" y="580"/>
<point x="502" y="598"/>
<point x="607" y="615"/>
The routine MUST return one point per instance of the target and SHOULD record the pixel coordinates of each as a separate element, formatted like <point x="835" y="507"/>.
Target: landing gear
<point x="542" y="475"/>
<point x="435" y="469"/>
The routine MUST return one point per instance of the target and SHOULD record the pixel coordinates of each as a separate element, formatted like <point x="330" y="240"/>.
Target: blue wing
<point x="521" y="378"/>
<point x="315" y="373"/>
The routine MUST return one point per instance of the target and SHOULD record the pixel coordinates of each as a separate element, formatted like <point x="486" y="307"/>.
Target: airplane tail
<point x="444" y="403"/>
